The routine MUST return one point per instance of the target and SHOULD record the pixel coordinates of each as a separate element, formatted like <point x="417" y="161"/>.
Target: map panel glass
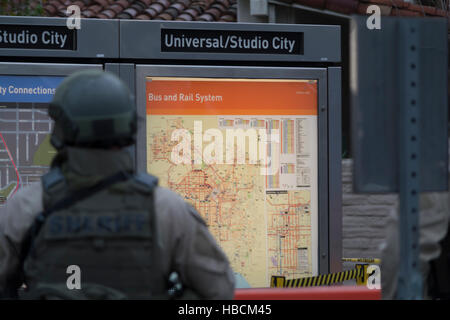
<point x="244" y="153"/>
<point x="25" y="149"/>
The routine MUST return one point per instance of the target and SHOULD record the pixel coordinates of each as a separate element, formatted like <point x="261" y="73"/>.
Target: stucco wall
<point x="364" y="218"/>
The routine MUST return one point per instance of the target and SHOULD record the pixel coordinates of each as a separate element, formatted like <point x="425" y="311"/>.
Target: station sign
<point x="37" y="37"/>
<point x="230" y="41"/>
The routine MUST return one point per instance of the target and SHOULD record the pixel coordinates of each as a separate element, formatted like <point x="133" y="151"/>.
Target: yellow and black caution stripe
<point x="321" y="280"/>
<point x="362" y="260"/>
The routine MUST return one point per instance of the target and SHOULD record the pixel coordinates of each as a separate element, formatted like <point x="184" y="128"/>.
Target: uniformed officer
<point x="125" y="235"/>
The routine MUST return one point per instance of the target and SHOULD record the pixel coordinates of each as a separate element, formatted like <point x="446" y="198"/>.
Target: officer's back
<point x="92" y="214"/>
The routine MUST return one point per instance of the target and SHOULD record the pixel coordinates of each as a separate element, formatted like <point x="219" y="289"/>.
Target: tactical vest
<point x="109" y="237"/>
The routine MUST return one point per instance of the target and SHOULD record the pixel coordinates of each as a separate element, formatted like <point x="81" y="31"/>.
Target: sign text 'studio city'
<point x="36" y="37"/>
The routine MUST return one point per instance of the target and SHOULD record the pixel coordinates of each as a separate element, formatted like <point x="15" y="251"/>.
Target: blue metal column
<point x="409" y="279"/>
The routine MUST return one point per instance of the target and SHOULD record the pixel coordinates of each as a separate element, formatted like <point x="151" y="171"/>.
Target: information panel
<point x="25" y="150"/>
<point x="244" y="153"/>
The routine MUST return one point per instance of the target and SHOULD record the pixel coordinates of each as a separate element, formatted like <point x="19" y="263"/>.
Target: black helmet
<point x="93" y="109"/>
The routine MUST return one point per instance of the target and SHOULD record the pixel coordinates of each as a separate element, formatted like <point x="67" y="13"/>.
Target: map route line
<point x="12" y="160"/>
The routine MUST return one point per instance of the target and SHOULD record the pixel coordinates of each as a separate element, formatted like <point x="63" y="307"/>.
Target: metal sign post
<point x="399" y="123"/>
<point x="409" y="280"/>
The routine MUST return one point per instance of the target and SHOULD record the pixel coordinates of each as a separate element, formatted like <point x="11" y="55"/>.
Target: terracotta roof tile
<point x="227" y="18"/>
<point x="165" y="3"/>
<point x="55" y="3"/>
<point x="416" y="8"/>
<point x="124" y="3"/>
<point x="201" y="5"/>
<point x="87" y="14"/>
<point x="62" y="12"/>
<point x="131" y="11"/>
<point x="109" y="13"/>
<point x="172" y="12"/>
<point x="102" y="3"/>
<point x="443" y="13"/>
<point x="206" y="17"/>
<point x="164" y="16"/>
<point x="219" y="6"/>
<point x="123" y="15"/>
<point x="81" y="4"/>
<point x="385" y="10"/>
<point x="342" y="6"/>
<point x="116" y="8"/>
<point x="192" y="12"/>
<point x="388" y="7"/>
<point x="101" y="16"/>
<point x="197" y="8"/>
<point x="33" y="5"/>
<point x="225" y="3"/>
<point x="50" y="9"/>
<point x="186" y="3"/>
<point x="146" y="2"/>
<point x="394" y="3"/>
<point x="231" y="12"/>
<point x="178" y="6"/>
<point x="142" y="17"/>
<point x="185" y="17"/>
<point x="216" y="13"/>
<point x="151" y="12"/>
<point x="319" y="4"/>
<point x="96" y="8"/>
<point x="181" y="10"/>
<point x="384" y="2"/>
<point x="220" y="10"/>
<point x="139" y="7"/>
<point x="405" y="13"/>
<point x="61" y="7"/>
<point x="158" y="7"/>
<point x="430" y="11"/>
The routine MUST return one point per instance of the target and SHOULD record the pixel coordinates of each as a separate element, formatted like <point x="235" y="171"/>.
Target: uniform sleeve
<point x="205" y="268"/>
<point x="9" y="265"/>
<point x="390" y="257"/>
<point x="9" y="255"/>
<point x="15" y="220"/>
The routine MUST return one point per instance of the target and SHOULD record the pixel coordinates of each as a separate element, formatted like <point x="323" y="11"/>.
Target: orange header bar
<point x="171" y="96"/>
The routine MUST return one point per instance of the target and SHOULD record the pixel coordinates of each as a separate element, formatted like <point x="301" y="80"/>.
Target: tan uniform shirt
<point x="191" y="249"/>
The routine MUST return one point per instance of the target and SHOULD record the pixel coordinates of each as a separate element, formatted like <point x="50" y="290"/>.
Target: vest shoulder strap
<point x="53" y="185"/>
<point x="53" y="178"/>
<point x="145" y="182"/>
